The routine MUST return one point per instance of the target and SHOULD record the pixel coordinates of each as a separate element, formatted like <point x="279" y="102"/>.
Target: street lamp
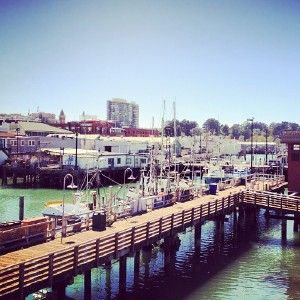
<point x="251" y="163"/>
<point x="63" y="221"/>
<point x="131" y="177"/>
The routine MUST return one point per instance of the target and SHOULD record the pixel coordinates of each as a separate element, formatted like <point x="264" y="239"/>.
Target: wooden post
<point x="172" y="224"/>
<point x="50" y="279"/>
<point x="198" y="236"/>
<point x="136" y="267"/>
<point x="167" y="252"/>
<point x="132" y="248"/>
<point x="88" y="284"/>
<point x="97" y="260"/>
<point x="224" y="204"/>
<point x="75" y="262"/>
<point x="216" y="207"/>
<point x="296" y="222"/>
<point x="160" y="228"/>
<point x="108" y="280"/>
<point x="182" y="220"/>
<point x="21" y="208"/>
<point x="21" y="281"/>
<point x="192" y="216"/>
<point x="283" y="228"/>
<point x="60" y="289"/>
<point x="122" y="275"/>
<point x="147" y="233"/>
<point x="116" y="245"/>
<point x="52" y="225"/>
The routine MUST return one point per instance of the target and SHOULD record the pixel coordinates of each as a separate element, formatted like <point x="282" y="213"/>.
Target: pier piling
<point x="88" y="284"/>
<point x="21" y="208"/>
<point x="122" y="275"/>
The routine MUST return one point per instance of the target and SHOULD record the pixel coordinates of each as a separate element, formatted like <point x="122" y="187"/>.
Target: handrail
<point x="19" y="276"/>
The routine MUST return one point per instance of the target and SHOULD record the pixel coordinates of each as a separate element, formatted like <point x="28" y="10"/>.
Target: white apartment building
<point x="124" y="112"/>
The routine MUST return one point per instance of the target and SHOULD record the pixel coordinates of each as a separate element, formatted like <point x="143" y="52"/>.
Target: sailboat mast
<point x="175" y="133"/>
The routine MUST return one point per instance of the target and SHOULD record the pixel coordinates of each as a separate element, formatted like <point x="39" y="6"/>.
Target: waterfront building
<point x="124" y="112"/>
<point x="292" y="139"/>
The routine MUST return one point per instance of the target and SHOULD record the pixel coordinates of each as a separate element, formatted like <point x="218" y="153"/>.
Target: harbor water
<point x="246" y="262"/>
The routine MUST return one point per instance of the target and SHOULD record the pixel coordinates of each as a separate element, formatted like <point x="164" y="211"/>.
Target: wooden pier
<point x="55" y="263"/>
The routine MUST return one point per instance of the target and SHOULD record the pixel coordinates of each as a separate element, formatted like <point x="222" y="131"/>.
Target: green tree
<point x="183" y="126"/>
<point x="212" y="125"/>
<point x="224" y="130"/>
<point x="235" y="131"/>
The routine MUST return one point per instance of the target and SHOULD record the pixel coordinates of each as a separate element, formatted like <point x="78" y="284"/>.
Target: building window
<point x="128" y="160"/>
<point x="296" y="147"/>
<point x="294" y="156"/>
<point x="111" y="161"/>
<point x="22" y="143"/>
<point x="13" y="142"/>
<point x="118" y="160"/>
<point x="31" y="143"/>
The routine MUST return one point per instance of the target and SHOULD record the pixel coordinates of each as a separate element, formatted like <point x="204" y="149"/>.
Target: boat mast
<point x="175" y="134"/>
<point x="162" y="135"/>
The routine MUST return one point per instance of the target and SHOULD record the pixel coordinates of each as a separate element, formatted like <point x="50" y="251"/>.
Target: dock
<point x="56" y="262"/>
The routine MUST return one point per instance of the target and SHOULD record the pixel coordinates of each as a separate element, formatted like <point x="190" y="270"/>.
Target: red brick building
<point x="292" y="139"/>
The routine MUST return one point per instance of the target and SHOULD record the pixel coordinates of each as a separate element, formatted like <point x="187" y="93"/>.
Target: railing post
<point x="201" y="212"/>
<point x="224" y="204"/>
<point x="132" y="239"/>
<point x="192" y="216"/>
<point x="75" y="262"/>
<point x="208" y="209"/>
<point x="182" y="220"/>
<point x="160" y="228"/>
<point x="216" y="207"/>
<point x="51" y="258"/>
<point x="21" y="280"/>
<point x="147" y="233"/>
<point x="116" y="244"/>
<point x="172" y="224"/>
<point x="97" y="252"/>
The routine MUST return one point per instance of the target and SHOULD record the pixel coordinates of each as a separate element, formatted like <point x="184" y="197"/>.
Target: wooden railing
<point x="33" y="274"/>
<point x="43" y="271"/>
<point x="273" y="200"/>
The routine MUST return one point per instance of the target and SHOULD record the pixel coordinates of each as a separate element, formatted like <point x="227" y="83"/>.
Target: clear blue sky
<point x="227" y="59"/>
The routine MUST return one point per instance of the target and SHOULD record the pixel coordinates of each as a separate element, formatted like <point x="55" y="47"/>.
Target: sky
<point x="224" y="59"/>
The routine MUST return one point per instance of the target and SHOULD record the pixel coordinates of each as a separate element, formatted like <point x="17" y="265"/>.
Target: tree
<point x="184" y="126"/>
<point x="224" y="130"/>
<point x="235" y="131"/>
<point x="212" y="125"/>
